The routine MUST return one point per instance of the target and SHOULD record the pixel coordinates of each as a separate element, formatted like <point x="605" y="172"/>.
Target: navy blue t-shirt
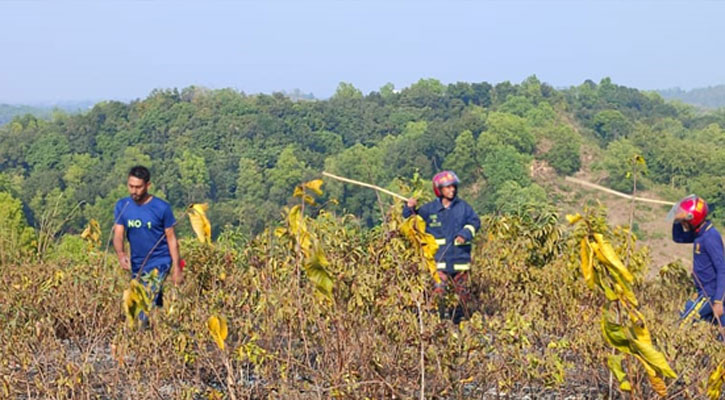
<point x="145" y="226"/>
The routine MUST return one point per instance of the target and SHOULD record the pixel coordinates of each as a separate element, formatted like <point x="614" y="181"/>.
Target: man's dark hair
<point x="140" y="172"/>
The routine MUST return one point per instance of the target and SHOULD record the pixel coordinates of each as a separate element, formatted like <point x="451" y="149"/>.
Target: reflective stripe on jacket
<point x="445" y="224"/>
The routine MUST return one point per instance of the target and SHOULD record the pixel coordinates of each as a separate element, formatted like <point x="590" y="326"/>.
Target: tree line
<point x="244" y="153"/>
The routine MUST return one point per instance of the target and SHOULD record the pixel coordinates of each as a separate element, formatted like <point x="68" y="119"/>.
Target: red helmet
<point x="443" y="179"/>
<point x="691" y="209"/>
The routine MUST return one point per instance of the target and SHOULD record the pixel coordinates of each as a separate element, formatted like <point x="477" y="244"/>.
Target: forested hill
<point x="10" y="111"/>
<point x="244" y="153"/>
<point x="709" y="97"/>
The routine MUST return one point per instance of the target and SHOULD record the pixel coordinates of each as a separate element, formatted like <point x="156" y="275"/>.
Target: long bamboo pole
<point x="616" y="193"/>
<point x="367" y="185"/>
<point x="568" y="179"/>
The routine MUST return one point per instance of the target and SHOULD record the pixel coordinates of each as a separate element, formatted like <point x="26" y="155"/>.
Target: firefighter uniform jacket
<point x="708" y="263"/>
<point x="445" y="224"/>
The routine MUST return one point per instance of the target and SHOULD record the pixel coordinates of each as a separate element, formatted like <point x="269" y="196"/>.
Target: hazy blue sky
<point x="62" y="50"/>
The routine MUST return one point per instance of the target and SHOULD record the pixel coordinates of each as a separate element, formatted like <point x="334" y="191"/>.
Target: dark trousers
<point x="457" y="282"/>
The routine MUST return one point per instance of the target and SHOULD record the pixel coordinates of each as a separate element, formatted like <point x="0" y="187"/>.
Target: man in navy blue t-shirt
<point x="148" y="224"/>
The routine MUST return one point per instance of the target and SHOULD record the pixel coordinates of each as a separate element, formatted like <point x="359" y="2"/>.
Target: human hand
<point x="460" y="240"/>
<point x="412" y="202"/>
<point x="124" y="261"/>
<point x="717" y="309"/>
<point x="177" y="276"/>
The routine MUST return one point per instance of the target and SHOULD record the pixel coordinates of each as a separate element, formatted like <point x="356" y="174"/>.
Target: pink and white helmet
<point x="443" y="179"/>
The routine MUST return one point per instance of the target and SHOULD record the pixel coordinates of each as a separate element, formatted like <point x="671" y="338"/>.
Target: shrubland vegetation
<point x="329" y="298"/>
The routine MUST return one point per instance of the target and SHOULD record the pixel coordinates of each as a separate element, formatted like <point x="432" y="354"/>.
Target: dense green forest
<point x="709" y="97"/>
<point x="244" y="153"/>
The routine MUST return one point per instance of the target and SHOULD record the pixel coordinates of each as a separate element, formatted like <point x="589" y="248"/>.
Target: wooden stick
<point x="616" y="193"/>
<point x="367" y="185"/>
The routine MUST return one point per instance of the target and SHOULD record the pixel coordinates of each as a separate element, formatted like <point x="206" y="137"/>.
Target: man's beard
<point x="138" y="197"/>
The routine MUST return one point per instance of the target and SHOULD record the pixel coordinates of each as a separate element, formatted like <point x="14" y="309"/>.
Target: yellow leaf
<point x="639" y="160"/>
<point x="608" y="291"/>
<point x="299" y="191"/>
<point x="658" y="385"/>
<point x="433" y="270"/>
<point x="616" y="270"/>
<point x="214" y="394"/>
<point x="652" y="358"/>
<point x="614" y="362"/>
<point x="639" y="326"/>
<point x="587" y="263"/>
<point x="218" y="330"/>
<point x="624" y="291"/>
<point x="316" y="269"/>
<point x="573" y="219"/>
<point x="429" y="245"/>
<point x="92" y="233"/>
<point x="135" y="300"/>
<point x="279" y="232"/>
<point x="315" y="186"/>
<point x="715" y="382"/>
<point x="414" y="229"/>
<point x="611" y="257"/>
<point x="295" y="221"/>
<point x="615" y="335"/>
<point x="199" y="222"/>
<point x="309" y="200"/>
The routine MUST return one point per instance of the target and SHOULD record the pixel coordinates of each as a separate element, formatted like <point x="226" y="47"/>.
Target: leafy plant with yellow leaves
<point x="604" y="271"/>
<point x="199" y="222"/>
<point x="307" y="245"/>
<point x="414" y="230"/>
<point x="92" y="234"/>
<point x="218" y="330"/>
<point x="135" y="301"/>
<point x="715" y="382"/>
<point x="535" y="328"/>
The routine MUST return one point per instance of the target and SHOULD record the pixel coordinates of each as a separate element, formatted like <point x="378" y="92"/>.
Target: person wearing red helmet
<point x="453" y="223"/>
<point x="708" y="270"/>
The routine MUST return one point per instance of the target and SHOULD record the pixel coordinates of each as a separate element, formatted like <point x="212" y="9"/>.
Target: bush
<point x="531" y="330"/>
<point x="564" y="154"/>
<point x="16" y="237"/>
<point x="618" y="164"/>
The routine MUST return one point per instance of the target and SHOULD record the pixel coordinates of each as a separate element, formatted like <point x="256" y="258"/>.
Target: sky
<point x="53" y="51"/>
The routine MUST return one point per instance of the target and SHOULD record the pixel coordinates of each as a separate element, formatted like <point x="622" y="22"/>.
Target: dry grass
<point x="535" y="330"/>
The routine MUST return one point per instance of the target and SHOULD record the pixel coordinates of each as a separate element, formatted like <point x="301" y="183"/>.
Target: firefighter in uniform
<point x="453" y="223"/>
<point x="708" y="268"/>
